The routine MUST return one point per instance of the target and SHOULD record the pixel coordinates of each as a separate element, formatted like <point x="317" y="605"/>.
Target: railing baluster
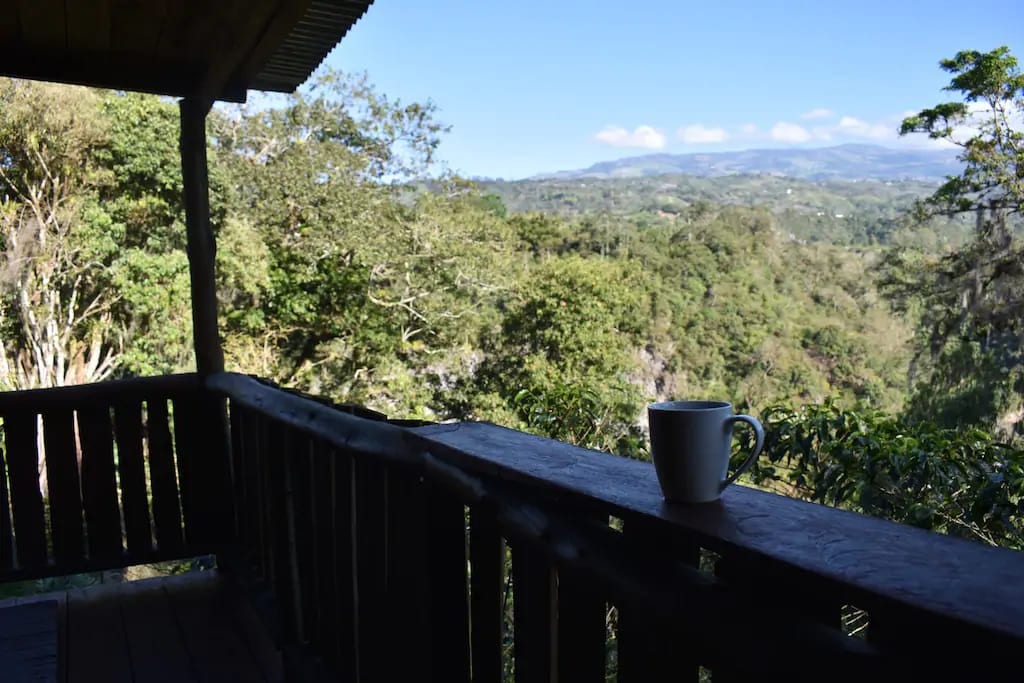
<point x="917" y="647"/>
<point x="214" y="468"/>
<point x="779" y="588"/>
<point x="99" y="484"/>
<point x="301" y="501"/>
<point x="6" y="530"/>
<point x="411" y="623"/>
<point x="776" y="592"/>
<point x="197" y="504"/>
<point x="65" y="495"/>
<point x="886" y="629"/>
<point x="449" y="600"/>
<point x="163" y="482"/>
<point x="344" y="563"/>
<point x="251" y="507"/>
<point x="582" y="631"/>
<point x="275" y="455"/>
<point x="371" y="570"/>
<point x="325" y="638"/>
<point x="649" y="651"/>
<point x="236" y="448"/>
<point x="185" y="416"/>
<point x="134" y="499"/>
<point x="535" y="615"/>
<point x="729" y="570"/>
<point x="487" y="577"/>
<point x="265" y="486"/>
<point x="20" y="431"/>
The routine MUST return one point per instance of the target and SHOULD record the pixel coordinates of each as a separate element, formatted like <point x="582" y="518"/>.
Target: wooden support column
<point x="207" y="466"/>
<point x="202" y="248"/>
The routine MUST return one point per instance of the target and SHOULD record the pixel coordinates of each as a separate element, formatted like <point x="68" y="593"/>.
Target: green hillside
<point x="835" y="211"/>
<point x="838" y="162"/>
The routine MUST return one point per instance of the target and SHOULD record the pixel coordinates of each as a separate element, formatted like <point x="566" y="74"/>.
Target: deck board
<point x="246" y="620"/>
<point x="185" y="628"/>
<point x="28" y="642"/>
<point x="155" y="643"/>
<point x="216" y="649"/>
<point x="97" y="649"/>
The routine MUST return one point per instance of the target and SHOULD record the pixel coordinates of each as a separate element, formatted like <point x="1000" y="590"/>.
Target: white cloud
<point x="749" y="130"/>
<point x="817" y="114"/>
<point x="643" y="136"/>
<point x="789" y="132"/>
<point x="697" y="134"/>
<point x="823" y="133"/>
<point x="854" y="127"/>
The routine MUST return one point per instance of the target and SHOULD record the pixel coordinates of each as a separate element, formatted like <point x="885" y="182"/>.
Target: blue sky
<point x="531" y="86"/>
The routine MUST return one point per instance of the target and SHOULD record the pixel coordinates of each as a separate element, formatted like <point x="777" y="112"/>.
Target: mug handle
<point x="759" y="436"/>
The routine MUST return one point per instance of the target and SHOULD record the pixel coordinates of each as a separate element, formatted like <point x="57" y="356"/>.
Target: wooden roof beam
<point x="117" y="73"/>
<point x="230" y="65"/>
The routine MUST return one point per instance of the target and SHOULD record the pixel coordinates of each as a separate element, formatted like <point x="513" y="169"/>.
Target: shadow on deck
<point x="189" y="627"/>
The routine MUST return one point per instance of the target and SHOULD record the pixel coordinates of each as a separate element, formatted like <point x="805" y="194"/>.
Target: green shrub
<point x="961" y="482"/>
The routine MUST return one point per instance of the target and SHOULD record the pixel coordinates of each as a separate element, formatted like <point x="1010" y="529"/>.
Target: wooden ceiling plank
<point x="43" y="24"/>
<point x="207" y="27"/>
<point x="210" y="49"/>
<point x="100" y="72"/>
<point x="284" y="20"/>
<point x="172" y="27"/>
<point x="246" y="32"/>
<point x="10" y="29"/>
<point x="197" y="30"/>
<point x="136" y="25"/>
<point x="121" y="72"/>
<point x="88" y="25"/>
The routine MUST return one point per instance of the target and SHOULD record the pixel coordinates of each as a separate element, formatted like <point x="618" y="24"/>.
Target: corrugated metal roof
<point x="210" y="49"/>
<point x="321" y="27"/>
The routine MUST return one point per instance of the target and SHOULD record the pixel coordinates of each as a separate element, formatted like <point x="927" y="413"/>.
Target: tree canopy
<point x="970" y="298"/>
<point x="349" y="265"/>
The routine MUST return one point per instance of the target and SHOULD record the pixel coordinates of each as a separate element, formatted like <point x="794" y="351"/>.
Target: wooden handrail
<point x="872" y="562"/>
<point x="900" y="574"/>
<point x="130" y="389"/>
<point x="134" y="473"/>
<point x="341" y="430"/>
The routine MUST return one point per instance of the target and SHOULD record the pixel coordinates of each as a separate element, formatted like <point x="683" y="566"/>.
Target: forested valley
<point x="882" y="348"/>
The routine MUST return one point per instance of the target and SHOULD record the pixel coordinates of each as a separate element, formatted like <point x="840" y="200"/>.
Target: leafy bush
<point x="578" y="415"/>
<point x="961" y="482"/>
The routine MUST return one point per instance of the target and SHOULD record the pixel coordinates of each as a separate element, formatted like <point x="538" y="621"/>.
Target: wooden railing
<point x="385" y="548"/>
<point x="109" y="475"/>
<point x="391" y="552"/>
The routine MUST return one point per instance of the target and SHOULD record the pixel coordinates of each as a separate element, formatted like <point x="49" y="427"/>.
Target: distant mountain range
<point x="842" y="162"/>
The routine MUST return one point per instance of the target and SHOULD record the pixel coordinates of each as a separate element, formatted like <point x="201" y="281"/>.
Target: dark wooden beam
<point x="116" y="71"/>
<point x="202" y="248"/>
<point x="135" y="27"/>
<point x="88" y="24"/>
<point x="43" y="23"/>
<point x="288" y="14"/>
<point x="10" y="27"/>
<point x="117" y="390"/>
<point x="239" y="38"/>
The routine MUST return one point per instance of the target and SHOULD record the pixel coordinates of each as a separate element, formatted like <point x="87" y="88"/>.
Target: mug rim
<point x="688" y="406"/>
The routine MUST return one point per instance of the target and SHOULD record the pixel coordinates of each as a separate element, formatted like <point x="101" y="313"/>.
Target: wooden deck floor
<point x="190" y="627"/>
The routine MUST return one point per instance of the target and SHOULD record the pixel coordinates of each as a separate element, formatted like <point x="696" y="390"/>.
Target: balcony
<point x="350" y="548"/>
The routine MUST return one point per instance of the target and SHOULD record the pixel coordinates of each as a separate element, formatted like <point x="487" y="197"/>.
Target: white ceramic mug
<point x="690" y="445"/>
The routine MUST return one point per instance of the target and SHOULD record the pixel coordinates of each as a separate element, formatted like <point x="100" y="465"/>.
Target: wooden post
<point x="202" y="247"/>
<point x="217" y="522"/>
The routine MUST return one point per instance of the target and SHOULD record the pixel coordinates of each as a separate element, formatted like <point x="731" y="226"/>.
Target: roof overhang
<point x="207" y="49"/>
